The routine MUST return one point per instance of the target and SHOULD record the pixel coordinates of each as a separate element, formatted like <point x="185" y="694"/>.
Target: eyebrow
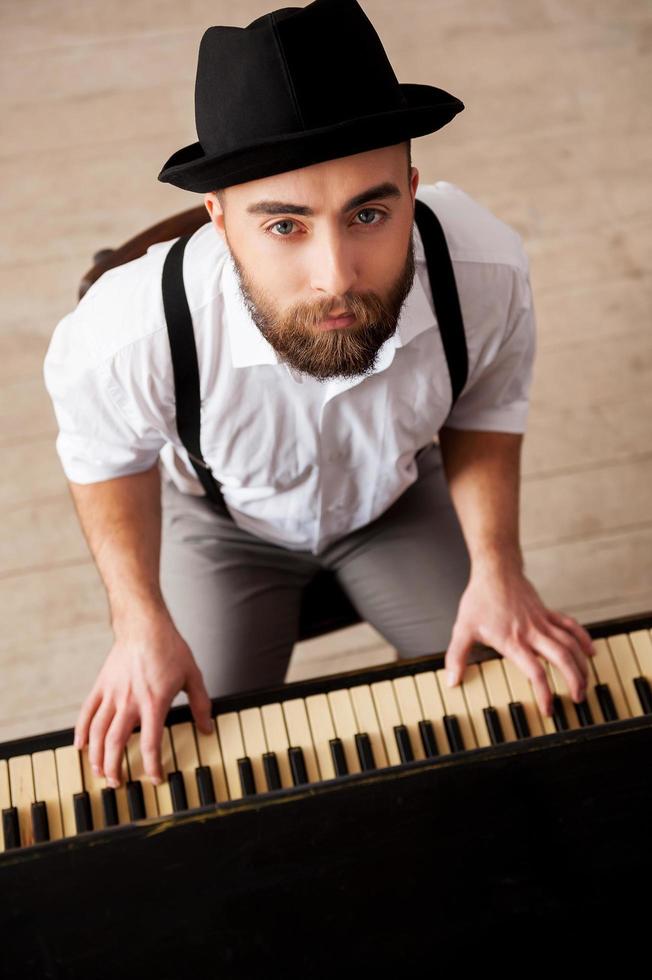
<point x="378" y="192"/>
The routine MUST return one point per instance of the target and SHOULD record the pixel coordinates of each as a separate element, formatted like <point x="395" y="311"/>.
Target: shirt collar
<point x="249" y="347"/>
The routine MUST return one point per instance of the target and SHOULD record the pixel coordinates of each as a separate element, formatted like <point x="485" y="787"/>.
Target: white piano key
<point x="432" y="707"/>
<point x="298" y="728"/>
<point x="606" y="673"/>
<point x="21" y="783"/>
<point x="5" y="797"/>
<point x="277" y="740"/>
<point x="642" y="643"/>
<point x="498" y="694"/>
<point x="228" y="730"/>
<point x="388" y="715"/>
<point x="345" y="726"/>
<point x="624" y="658"/>
<point x="455" y="704"/>
<point x="255" y="745"/>
<point x="69" y="778"/>
<point x="210" y="754"/>
<point x="521" y="689"/>
<point x="560" y="686"/>
<point x="409" y="707"/>
<point x="168" y="765"/>
<point x="367" y="722"/>
<point x="321" y="726"/>
<point x="476" y="698"/>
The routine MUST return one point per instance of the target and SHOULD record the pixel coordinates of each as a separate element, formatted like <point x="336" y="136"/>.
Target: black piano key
<point x="110" y="807"/>
<point x="494" y="728"/>
<point x="584" y="713"/>
<point x="272" y="773"/>
<point x="205" y="786"/>
<point x="135" y="800"/>
<point x="428" y="738"/>
<point x="11" y="827"/>
<point x="177" y="791"/>
<point x="247" y="781"/>
<point x="644" y="692"/>
<point x="297" y="765"/>
<point x="402" y="737"/>
<point x="40" y="822"/>
<point x="606" y="702"/>
<point x="338" y="756"/>
<point x="453" y="733"/>
<point x="519" y="719"/>
<point x="83" y="816"/>
<point x="558" y="714"/>
<point x="365" y="751"/>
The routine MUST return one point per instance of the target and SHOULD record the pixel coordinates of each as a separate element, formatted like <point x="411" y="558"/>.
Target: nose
<point x="333" y="273"/>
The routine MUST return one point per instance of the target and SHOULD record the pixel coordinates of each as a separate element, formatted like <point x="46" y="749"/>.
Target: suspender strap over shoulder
<point x="445" y="295"/>
<point x="185" y="366"/>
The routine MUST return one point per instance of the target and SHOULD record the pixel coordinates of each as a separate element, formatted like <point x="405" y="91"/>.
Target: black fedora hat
<point x="297" y="86"/>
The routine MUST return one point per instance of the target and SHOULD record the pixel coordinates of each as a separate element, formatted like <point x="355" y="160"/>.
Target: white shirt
<point x="301" y="462"/>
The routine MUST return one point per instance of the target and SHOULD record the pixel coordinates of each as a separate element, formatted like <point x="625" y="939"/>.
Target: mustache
<point x="367" y="309"/>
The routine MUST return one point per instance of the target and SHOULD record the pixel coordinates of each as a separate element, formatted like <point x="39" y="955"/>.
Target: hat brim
<point x="426" y="110"/>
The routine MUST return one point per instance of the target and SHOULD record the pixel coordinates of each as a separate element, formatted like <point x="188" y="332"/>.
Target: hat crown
<point x="289" y="71"/>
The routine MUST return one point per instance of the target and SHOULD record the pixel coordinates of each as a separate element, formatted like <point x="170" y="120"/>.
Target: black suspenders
<point x="184" y="351"/>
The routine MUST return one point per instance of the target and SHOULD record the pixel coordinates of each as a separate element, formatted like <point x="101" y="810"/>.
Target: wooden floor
<point x="555" y="139"/>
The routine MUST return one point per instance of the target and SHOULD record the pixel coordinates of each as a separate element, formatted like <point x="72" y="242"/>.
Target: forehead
<point x="338" y="179"/>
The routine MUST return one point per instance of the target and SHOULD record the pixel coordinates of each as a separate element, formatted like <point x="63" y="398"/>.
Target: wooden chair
<point x="324" y="605"/>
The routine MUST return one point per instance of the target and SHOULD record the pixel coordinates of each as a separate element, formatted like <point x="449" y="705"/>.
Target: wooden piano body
<point x="504" y="850"/>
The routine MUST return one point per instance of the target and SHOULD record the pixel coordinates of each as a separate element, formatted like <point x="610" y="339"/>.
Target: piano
<point x="374" y="818"/>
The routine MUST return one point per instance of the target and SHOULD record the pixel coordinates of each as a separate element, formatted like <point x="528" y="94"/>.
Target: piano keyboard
<point x="340" y="731"/>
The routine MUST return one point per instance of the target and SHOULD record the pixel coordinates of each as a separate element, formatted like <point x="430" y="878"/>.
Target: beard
<point x="343" y="352"/>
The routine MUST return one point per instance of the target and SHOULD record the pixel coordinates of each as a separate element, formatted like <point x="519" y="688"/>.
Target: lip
<point x="333" y="322"/>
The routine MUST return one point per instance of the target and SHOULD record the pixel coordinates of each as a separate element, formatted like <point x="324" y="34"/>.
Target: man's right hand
<point x="147" y="666"/>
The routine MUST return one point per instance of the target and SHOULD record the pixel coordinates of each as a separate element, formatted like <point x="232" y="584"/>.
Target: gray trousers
<point x="235" y="598"/>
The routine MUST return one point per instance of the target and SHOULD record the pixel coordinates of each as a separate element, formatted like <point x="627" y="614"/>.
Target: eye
<point x="288" y="221"/>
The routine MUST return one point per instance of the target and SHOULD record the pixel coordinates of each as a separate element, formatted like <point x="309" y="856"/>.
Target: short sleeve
<point x="96" y="440"/>
<point x="496" y="396"/>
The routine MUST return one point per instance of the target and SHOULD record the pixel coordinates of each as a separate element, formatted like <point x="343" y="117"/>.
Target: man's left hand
<point x="502" y="609"/>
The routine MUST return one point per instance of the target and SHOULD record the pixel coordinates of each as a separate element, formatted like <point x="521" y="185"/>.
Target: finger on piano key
<point x="564" y="697"/>
<point x="628" y="670"/>
<point x="642" y="643"/>
<point x="255" y="744"/>
<point x="433" y="707"/>
<point x="410" y="712"/>
<point x="522" y="692"/>
<point x="46" y="789"/>
<point x="210" y="754"/>
<point x="139" y="777"/>
<point x="230" y="735"/>
<point x="456" y="708"/>
<point x="69" y="778"/>
<point x="5" y="797"/>
<point x="389" y="718"/>
<point x="168" y="764"/>
<point x="96" y="784"/>
<point x="367" y="722"/>
<point x="187" y="759"/>
<point x="345" y="726"/>
<point x="499" y="697"/>
<point x="606" y="673"/>
<point x="323" y="731"/>
<point x="276" y="737"/>
<point x="21" y="785"/>
<point x="300" y="736"/>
